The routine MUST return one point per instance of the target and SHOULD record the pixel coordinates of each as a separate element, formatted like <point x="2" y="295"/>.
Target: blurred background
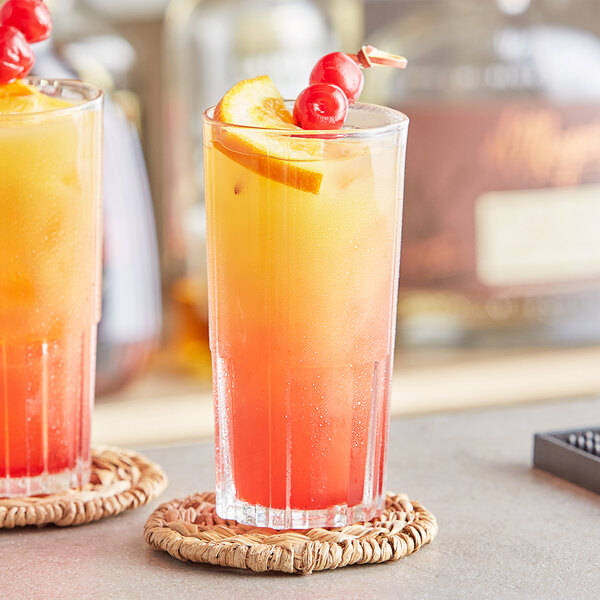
<point x="500" y="279"/>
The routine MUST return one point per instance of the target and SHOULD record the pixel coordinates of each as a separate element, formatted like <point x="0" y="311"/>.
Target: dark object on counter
<point x="588" y="441"/>
<point x="573" y="455"/>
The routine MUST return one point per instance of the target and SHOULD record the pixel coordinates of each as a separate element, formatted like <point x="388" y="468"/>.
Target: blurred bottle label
<point x="544" y="145"/>
<point x="545" y="236"/>
<point x="486" y="183"/>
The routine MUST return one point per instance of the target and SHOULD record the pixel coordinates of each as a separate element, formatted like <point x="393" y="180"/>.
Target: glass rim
<point x="91" y="97"/>
<point x="398" y="121"/>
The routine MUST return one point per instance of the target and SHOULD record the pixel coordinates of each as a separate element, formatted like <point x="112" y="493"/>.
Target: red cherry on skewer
<point x="321" y="106"/>
<point x="16" y="55"/>
<point x="338" y="68"/>
<point x="31" y="17"/>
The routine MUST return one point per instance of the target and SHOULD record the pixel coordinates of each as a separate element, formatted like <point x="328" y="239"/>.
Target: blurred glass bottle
<point x="502" y="202"/>
<point x="86" y="46"/>
<point x="209" y="46"/>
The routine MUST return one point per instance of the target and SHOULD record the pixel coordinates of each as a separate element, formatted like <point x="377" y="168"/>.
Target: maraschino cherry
<point x="335" y="82"/>
<point x="31" y="17"/>
<point x="338" y="68"/>
<point x="16" y="55"/>
<point x="321" y="106"/>
<point x="22" y="22"/>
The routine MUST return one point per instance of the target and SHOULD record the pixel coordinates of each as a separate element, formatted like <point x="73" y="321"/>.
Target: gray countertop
<point x="506" y="530"/>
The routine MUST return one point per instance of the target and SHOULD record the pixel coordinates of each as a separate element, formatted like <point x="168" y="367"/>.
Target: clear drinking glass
<point x="303" y="260"/>
<point x="50" y="236"/>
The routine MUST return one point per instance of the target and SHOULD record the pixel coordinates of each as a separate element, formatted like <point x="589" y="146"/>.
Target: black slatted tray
<point x="573" y="455"/>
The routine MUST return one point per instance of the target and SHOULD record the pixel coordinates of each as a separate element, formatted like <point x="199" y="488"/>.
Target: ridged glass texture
<point x="50" y="171"/>
<point x="303" y="260"/>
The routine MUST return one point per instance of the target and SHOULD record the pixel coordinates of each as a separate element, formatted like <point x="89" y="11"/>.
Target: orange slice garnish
<point x="16" y="88"/>
<point x="19" y="97"/>
<point x="258" y="105"/>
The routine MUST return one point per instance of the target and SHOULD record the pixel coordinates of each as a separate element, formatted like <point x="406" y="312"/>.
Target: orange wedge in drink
<point x="18" y="97"/>
<point x="257" y="106"/>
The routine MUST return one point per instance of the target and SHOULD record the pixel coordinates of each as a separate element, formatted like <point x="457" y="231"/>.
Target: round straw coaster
<point x="120" y="480"/>
<point x="189" y="529"/>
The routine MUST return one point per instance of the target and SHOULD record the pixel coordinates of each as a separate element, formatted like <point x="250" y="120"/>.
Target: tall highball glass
<point x="303" y="232"/>
<point x="50" y="239"/>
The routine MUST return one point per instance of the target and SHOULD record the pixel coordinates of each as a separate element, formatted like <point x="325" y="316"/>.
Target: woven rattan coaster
<point x="189" y="529"/>
<point x="121" y="480"/>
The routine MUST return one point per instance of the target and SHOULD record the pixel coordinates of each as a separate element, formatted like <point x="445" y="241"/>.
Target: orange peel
<point x="257" y="106"/>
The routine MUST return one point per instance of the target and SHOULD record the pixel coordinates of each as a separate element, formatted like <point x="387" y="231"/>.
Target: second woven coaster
<point x="121" y="480"/>
<point x="190" y="530"/>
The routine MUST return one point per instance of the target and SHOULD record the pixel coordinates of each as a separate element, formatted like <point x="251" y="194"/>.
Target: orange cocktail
<point x="50" y="169"/>
<point x="303" y="258"/>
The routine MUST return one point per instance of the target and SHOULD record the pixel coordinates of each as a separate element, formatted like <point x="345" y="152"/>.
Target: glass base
<point x="47" y="483"/>
<point x="338" y="515"/>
